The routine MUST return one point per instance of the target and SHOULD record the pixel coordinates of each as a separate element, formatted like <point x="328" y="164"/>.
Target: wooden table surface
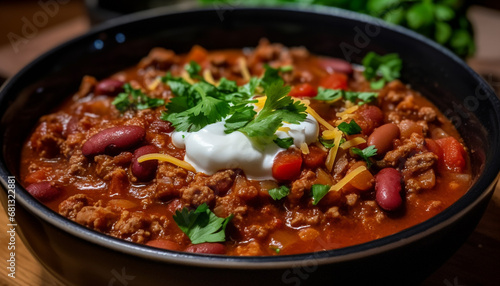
<point x="477" y="262"/>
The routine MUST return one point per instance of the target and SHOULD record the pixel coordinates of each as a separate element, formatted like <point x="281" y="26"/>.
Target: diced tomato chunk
<point x="315" y="158"/>
<point x="287" y="165"/>
<point x="197" y="54"/>
<point x="434" y="148"/>
<point x="303" y="90"/>
<point x="334" y="81"/>
<point x="453" y="154"/>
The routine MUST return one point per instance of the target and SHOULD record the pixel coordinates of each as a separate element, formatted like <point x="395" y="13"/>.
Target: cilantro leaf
<point x="363" y="97"/>
<point x="284" y="143"/>
<point x="240" y="117"/>
<point x="193" y="69"/>
<point x="237" y="94"/>
<point x="135" y="99"/>
<point x="327" y="143"/>
<point x="318" y="192"/>
<point x="365" y="154"/>
<point x="227" y="85"/>
<point x="202" y="225"/>
<point x="177" y="85"/>
<point x="387" y="66"/>
<point x="122" y="102"/>
<point x="287" y="68"/>
<point x="270" y="76"/>
<point x="350" y="128"/>
<point x="327" y="94"/>
<point x="199" y="108"/>
<point x="278" y="108"/>
<point x="279" y="193"/>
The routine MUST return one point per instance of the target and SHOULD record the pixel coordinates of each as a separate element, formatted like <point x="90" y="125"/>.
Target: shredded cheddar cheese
<point x="353" y="142"/>
<point x="348" y="111"/>
<point x="304" y="148"/>
<point x="319" y="118"/>
<point x="340" y="184"/>
<point x="244" y="68"/>
<point x="284" y="129"/>
<point x="329" y="134"/>
<point x="261" y="101"/>
<point x="320" y="146"/>
<point x="167" y="158"/>
<point x="332" y="154"/>
<point x="207" y="76"/>
<point x="154" y="84"/>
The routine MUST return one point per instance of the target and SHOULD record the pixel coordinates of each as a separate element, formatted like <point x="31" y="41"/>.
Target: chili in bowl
<point x="232" y="162"/>
<point x="271" y="151"/>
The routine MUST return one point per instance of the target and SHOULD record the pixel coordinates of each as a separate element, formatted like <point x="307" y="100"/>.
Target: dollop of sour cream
<point x="210" y="149"/>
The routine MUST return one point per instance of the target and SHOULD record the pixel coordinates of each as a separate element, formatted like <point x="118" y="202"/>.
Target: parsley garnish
<point x="350" y="128"/>
<point x="279" y="193"/>
<point x="202" y="225"/>
<point x="365" y="154"/>
<point x="318" y="192"/>
<point x="284" y="143"/>
<point x="193" y="69"/>
<point x="388" y="66"/>
<point x="135" y="99"/>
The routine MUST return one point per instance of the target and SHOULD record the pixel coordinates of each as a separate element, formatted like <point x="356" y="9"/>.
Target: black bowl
<point x="77" y="255"/>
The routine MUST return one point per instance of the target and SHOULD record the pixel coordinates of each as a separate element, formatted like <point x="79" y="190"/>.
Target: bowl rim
<point x="483" y="186"/>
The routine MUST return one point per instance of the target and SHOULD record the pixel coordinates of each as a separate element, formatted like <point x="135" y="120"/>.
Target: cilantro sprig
<point x="366" y="154"/>
<point x="197" y="106"/>
<point x="200" y="104"/>
<point x="361" y="98"/>
<point x="135" y="99"/>
<point x="278" y="107"/>
<point x="387" y="66"/>
<point x="202" y="225"/>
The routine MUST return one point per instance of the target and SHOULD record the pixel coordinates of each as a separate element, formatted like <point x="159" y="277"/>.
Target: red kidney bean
<point x="388" y="189"/>
<point x="382" y="137"/>
<point x="207" y="248"/>
<point x="373" y="114"/>
<point x="109" y="87"/>
<point x="43" y="191"/>
<point x="113" y="140"/>
<point x="336" y="65"/>
<point x="144" y="171"/>
<point x="163" y="243"/>
<point x="161" y="126"/>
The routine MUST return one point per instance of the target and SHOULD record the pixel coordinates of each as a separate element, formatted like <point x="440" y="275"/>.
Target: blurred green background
<point x="444" y="21"/>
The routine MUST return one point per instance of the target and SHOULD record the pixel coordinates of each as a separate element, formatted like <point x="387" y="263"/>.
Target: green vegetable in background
<point x="444" y="21"/>
<point x="388" y="66"/>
